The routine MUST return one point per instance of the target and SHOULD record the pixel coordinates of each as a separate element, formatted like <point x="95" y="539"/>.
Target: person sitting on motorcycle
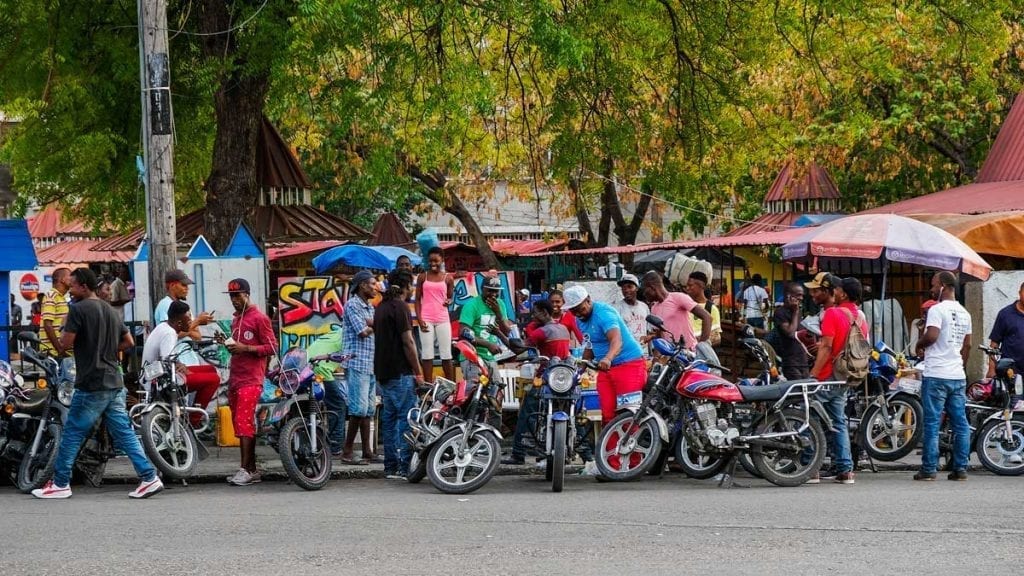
<point x="619" y="357"/>
<point x="202" y="379"/>
<point x="552" y="340"/>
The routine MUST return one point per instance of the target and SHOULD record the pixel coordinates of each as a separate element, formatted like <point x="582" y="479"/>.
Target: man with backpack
<point x="842" y="356"/>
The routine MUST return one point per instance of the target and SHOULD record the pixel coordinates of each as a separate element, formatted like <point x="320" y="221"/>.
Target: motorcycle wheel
<point x="417" y="468"/>
<point x="548" y="469"/>
<point x="996" y="451"/>
<point x="170" y="445"/>
<point x="626" y="451"/>
<point x="34" y="472"/>
<point x="695" y="464"/>
<point x="748" y="464"/>
<point x="889" y="446"/>
<point x="782" y="467"/>
<point x="557" y="463"/>
<point x="309" y="469"/>
<point x="457" y="469"/>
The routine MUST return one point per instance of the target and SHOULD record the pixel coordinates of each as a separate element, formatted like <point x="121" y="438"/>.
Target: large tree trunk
<point x="232" y="190"/>
<point x="434" y="188"/>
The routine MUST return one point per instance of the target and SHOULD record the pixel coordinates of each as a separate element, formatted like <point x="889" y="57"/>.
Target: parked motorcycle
<point x="887" y="419"/>
<point x="164" y="422"/>
<point x="996" y="420"/>
<point x="778" y="425"/>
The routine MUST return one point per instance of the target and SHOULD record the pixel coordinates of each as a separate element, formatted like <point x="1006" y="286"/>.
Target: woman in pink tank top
<point x="434" y="292"/>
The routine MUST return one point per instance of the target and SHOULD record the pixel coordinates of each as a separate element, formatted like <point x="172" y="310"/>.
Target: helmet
<point x="980" y="391"/>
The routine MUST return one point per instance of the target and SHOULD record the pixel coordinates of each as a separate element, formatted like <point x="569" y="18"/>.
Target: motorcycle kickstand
<point x="729" y="477"/>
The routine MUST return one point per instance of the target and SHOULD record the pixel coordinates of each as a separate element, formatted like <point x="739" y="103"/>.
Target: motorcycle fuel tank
<point x="707" y="386"/>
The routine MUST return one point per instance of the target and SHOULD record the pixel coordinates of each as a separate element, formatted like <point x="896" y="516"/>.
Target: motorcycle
<point x="294" y="421"/>
<point x="453" y="439"/>
<point x="996" y="417"/>
<point x="778" y="425"/>
<point x="164" y="422"/>
<point x="36" y="419"/>
<point x="887" y="417"/>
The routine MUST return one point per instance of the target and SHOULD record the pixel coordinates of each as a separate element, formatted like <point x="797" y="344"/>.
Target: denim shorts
<point x="362" y="393"/>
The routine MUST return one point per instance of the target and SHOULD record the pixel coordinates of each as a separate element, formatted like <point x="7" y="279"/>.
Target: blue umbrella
<point x="357" y="256"/>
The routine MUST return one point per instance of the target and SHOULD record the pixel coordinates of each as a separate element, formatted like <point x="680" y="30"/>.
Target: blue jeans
<point x="336" y="402"/>
<point x="86" y="409"/>
<point x="398" y="397"/>
<point x="938" y="395"/>
<point x="362" y="393"/>
<point x="834" y="402"/>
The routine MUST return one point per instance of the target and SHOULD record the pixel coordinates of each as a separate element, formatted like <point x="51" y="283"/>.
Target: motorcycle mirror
<point x="655" y="321"/>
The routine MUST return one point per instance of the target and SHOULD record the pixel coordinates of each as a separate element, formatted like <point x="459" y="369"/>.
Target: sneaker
<point x="845" y="478"/>
<point x="542" y="464"/>
<point x="243" y="478"/>
<point x="925" y="476"/>
<point x="815" y="479"/>
<point x="827" y="474"/>
<point x="394" y="476"/>
<point x="958" y="476"/>
<point x="514" y="461"/>
<point x="147" y="489"/>
<point x="590" y="469"/>
<point x="51" y="491"/>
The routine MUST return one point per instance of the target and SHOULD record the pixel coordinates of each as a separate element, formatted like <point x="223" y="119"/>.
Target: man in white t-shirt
<point x="753" y="298"/>
<point x="946" y="345"/>
<point x="164" y="337"/>
<point x="634" y="312"/>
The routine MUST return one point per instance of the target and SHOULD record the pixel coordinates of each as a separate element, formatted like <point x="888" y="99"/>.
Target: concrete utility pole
<point x="157" y="132"/>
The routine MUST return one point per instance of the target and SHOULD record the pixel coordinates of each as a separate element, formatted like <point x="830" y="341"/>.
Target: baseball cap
<point x="524" y="292"/>
<point x="629" y="278"/>
<point x="574" y="296"/>
<point x="823" y="280"/>
<point x="361" y="276"/>
<point x="238" y="285"/>
<point x="177" y="276"/>
<point x="493" y="284"/>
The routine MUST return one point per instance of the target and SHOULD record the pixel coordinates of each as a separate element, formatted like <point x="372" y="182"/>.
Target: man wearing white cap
<point x="618" y="354"/>
<point x="634" y="312"/>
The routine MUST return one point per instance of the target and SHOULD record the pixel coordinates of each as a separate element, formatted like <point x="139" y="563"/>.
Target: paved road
<point x="885" y="524"/>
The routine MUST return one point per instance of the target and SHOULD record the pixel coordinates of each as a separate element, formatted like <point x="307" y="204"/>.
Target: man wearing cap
<point x="674" y="308"/>
<point x="486" y="316"/>
<point x="357" y="326"/>
<point x="177" y="283"/>
<point x="633" y="312"/>
<point x="251" y="344"/>
<point x="821" y="288"/>
<point x="618" y="354"/>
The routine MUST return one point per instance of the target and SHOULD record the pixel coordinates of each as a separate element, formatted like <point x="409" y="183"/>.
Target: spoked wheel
<point x="558" y="455"/>
<point x="627" y="449"/>
<point x="789" y="461"/>
<point x="307" y="465"/>
<point x="697" y="464"/>
<point x="893" y="433"/>
<point x="36" y="471"/>
<point x="1000" y="450"/>
<point x="170" y="444"/>
<point x="455" y="467"/>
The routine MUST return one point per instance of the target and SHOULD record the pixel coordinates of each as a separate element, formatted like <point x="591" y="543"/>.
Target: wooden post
<point x="157" y="130"/>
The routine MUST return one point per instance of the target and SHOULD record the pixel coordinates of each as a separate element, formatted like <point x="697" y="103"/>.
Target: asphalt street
<point x="884" y="524"/>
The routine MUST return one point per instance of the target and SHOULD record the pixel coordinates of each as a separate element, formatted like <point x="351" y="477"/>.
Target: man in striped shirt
<point x="55" y="312"/>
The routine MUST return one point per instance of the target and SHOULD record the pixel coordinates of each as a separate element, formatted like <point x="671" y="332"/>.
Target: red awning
<point x="762" y="239"/>
<point x="299" y="248"/>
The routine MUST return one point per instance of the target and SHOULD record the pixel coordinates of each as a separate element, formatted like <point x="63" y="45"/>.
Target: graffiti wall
<point x="469" y="286"/>
<point x="308" y="307"/>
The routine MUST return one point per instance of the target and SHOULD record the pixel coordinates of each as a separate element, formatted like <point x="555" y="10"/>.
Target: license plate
<point x="629" y="399"/>
<point x="153" y="370"/>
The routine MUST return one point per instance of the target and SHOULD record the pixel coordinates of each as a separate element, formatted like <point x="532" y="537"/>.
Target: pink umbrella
<point x="888" y="237"/>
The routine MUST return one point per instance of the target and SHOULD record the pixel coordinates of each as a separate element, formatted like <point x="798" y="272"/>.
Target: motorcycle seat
<point x="34" y="404"/>
<point x="765" y="393"/>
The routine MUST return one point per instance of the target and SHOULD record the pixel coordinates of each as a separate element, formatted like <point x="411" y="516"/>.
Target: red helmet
<point x="980" y="391"/>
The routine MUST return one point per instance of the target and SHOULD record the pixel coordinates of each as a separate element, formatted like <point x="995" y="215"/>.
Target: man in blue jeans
<point x="357" y="328"/>
<point x="398" y="371"/>
<point x="95" y="333"/>
<point x="946" y="345"/>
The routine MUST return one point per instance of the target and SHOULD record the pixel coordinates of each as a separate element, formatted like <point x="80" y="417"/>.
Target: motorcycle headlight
<point x="560" y="379"/>
<point x="65" y="392"/>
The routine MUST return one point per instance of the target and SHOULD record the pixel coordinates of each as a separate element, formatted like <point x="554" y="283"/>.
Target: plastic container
<point x="225" y="427"/>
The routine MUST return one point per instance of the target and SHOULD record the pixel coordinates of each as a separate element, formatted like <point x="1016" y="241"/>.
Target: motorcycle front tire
<point x="558" y="455"/>
<point x="866" y="424"/>
<point x="34" y="472"/>
<point x="985" y="439"/>
<point x="645" y="434"/>
<point x="444" y="451"/>
<point x="184" y="468"/>
<point x="309" y="469"/>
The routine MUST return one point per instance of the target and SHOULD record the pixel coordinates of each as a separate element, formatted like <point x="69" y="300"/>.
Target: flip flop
<point x="353" y="462"/>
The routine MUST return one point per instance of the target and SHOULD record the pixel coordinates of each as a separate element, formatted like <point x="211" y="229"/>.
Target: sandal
<point x="354" y="462"/>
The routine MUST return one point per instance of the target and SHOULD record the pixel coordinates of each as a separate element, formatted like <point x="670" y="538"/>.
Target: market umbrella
<point x="357" y="256"/>
<point x="888" y="238"/>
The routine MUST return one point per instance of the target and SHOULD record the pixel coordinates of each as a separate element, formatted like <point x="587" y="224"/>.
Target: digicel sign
<point x="29" y="287"/>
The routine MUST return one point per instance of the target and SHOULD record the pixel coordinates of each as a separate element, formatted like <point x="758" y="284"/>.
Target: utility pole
<point x="157" y="133"/>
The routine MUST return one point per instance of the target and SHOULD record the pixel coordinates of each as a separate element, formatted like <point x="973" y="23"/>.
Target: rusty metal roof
<point x="1005" y="161"/>
<point x="767" y="223"/>
<point x="802" y="182"/>
<point x="388" y="231"/>
<point x="978" y="198"/>
<point x="79" y="252"/>
<point x="276" y="163"/>
<point x="757" y="239"/>
<point x="272" y="224"/>
<point x="50" y="223"/>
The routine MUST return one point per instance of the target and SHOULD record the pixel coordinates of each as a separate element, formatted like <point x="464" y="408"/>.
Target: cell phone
<point x="229" y="341"/>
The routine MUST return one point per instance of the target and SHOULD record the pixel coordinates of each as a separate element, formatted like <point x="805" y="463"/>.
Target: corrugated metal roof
<point x="767" y="223"/>
<point x="512" y="247"/>
<point x="978" y="198"/>
<point x="1005" y="161"/>
<point x="272" y="223"/>
<point x="50" y="223"/>
<point x="80" y="252"/>
<point x="300" y="248"/>
<point x="758" y="239"/>
<point x="807" y="182"/>
<point x="388" y="231"/>
<point x="276" y="163"/>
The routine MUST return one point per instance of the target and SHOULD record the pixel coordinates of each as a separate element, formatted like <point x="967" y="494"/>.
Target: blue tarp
<point x="356" y="256"/>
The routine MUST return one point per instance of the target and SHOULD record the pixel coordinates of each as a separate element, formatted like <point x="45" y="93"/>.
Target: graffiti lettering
<point x="309" y="307"/>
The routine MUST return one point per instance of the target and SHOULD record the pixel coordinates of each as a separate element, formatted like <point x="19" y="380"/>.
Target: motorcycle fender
<point x="462" y="426"/>
<point x="822" y="414"/>
<point x="662" y="425"/>
<point x="998" y="415"/>
<point x="153" y="406"/>
<point x="560" y="417"/>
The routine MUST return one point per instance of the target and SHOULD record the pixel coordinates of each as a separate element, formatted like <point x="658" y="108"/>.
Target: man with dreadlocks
<point x="398" y="371"/>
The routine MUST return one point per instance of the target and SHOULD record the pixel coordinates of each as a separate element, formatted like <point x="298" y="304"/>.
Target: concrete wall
<point x="984" y="300"/>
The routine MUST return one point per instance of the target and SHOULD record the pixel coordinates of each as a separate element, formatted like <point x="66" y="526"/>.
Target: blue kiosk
<point x="19" y="254"/>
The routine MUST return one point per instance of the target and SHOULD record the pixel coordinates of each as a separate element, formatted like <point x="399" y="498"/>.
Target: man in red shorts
<point x="251" y="344"/>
